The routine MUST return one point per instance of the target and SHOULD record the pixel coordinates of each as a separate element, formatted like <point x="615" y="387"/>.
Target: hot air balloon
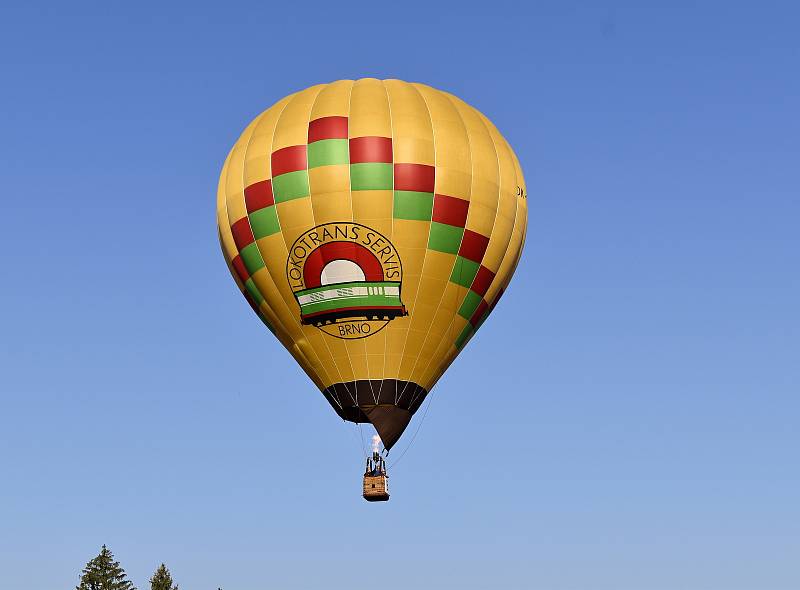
<point x="372" y="225"/>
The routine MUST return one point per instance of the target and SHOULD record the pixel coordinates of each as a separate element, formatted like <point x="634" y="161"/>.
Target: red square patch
<point x="259" y="195"/>
<point x="371" y="149"/>
<point x="483" y="280"/>
<point x="242" y="234"/>
<point x="414" y="177"/>
<point x="476" y="317"/>
<point x="327" y="128"/>
<point x="239" y="267"/>
<point x="289" y="159"/>
<point x="473" y="246"/>
<point x="450" y="210"/>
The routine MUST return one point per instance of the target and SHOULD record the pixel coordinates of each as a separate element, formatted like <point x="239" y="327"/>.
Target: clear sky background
<point x="647" y="351"/>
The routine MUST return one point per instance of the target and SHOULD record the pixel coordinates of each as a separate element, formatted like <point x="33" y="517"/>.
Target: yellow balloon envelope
<point x="372" y="226"/>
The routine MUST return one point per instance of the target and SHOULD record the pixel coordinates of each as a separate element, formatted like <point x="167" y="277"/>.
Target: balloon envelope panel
<point x="372" y="226"/>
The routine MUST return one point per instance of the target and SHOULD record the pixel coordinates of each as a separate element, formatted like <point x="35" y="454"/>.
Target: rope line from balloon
<point x="414" y="436"/>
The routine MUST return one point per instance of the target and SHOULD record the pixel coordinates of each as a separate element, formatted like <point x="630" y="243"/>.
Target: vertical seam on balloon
<point x="516" y="206"/>
<point x="512" y="267"/>
<point x="518" y="215"/>
<point x="513" y="226"/>
<point x="313" y="216"/>
<point x="450" y="340"/>
<point x="222" y="222"/>
<point x="353" y="219"/>
<point x="455" y="261"/>
<point x="425" y="255"/>
<point x="470" y="210"/>
<point x="228" y="214"/>
<point x="222" y="209"/>
<point x="311" y="204"/>
<point x="448" y="335"/>
<point x="252" y="128"/>
<point x="497" y="202"/>
<point x="334" y="394"/>
<point x="354" y="394"/>
<point x="391" y="218"/>
<point x="255" y="126"/>
<point x="269" y="271"/>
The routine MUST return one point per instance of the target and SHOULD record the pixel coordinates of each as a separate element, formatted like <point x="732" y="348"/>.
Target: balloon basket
<point x="376" y="480"/>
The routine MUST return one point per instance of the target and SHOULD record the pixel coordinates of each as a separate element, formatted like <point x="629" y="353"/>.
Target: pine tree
<point x="103" y="573"/>
<point x="162" y="579"/>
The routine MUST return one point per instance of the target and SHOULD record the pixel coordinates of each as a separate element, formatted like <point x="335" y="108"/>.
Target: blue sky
<point x="649" y="341"/>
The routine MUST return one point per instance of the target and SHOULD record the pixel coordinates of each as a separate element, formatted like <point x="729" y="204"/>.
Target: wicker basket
<point x="376" y="488"/>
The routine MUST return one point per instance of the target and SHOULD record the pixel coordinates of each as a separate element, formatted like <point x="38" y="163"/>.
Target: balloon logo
<point x="346" y="278"/>
<point x="373" y="226"/>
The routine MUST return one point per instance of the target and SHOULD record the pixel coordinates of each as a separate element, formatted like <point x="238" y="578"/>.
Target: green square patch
<point x="464" y="271"/>
<point x="471" y="303"/>
<point x="371" y="176"/>
<point x="328" y="152"/>
<point x="264" y="222"/>
<point x="252" y="257"/>
<point x="253" y="290"/>
<point x="266" y="322"/>
<point x="464" y="336"/>
<point x="445" y="238"/>
<point x="413" y="205"/>
<point x="292" y="185"/>
<point x="483" y="317"/>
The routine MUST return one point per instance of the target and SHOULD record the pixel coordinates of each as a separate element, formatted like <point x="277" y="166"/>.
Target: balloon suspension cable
<point x="361" y="438"/>
<point x="364" y="450"/>
<point x="414" y="436"/>
<point x="359" y="435"/>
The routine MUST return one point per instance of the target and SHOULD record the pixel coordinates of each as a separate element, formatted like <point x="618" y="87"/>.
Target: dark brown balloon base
<point x="387" y="404"/>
